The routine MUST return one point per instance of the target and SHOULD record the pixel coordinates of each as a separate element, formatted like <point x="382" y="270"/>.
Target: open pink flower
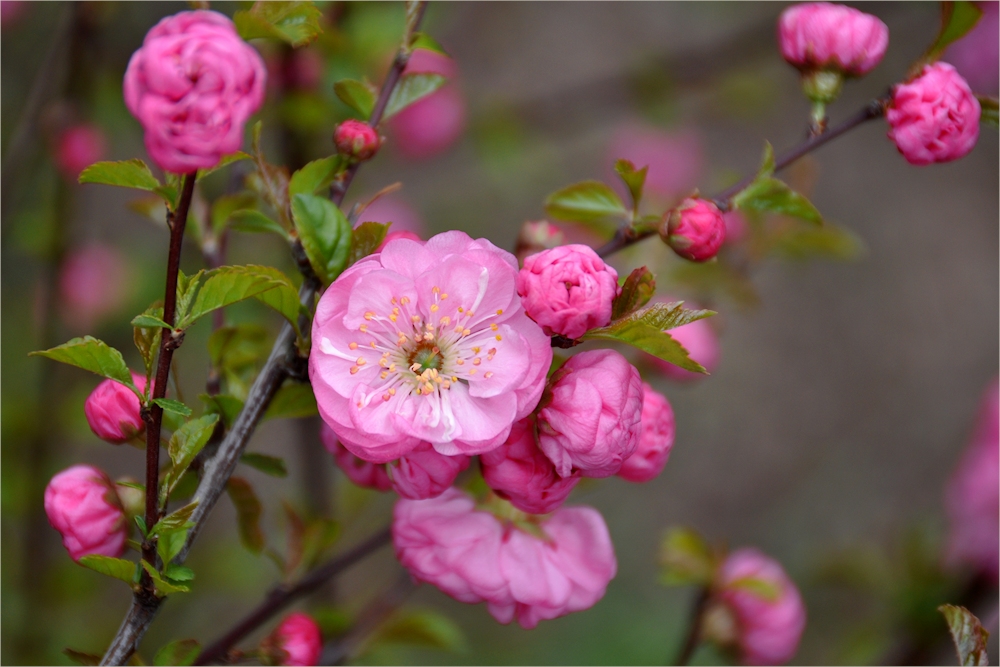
<point x="424" y="472"/>
<point x="113" y="410"/>
<point x="299" y="638"/>
<point x="474" y="557"/>
<point x="590" y="420"/>
<point x="82" y="505"/>
<point x="768" y="628"/>
<point x="520" y="473"/>
<point x="363" y="473"/>
<point x="426" y="343"/>
<point x="656" y="438"/>
<point x="822" y="35"/>
<point x="430" y="125"/>
<point x="193" y="84"/>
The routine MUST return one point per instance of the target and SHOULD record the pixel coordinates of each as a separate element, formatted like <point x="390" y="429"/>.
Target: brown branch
<point x="694" y="630"/>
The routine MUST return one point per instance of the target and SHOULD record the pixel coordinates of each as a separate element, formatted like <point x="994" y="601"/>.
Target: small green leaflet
<point x="92" y="355"/>
<point x="765" y="590"/>
<point x="769" y="194"/>
<point x="633" y="178"/>
<point x="989" y="106"/>
<point x="224" y="207"/>
<point x="224" y="405"/>
<point x="163" y="586"/>
<point x="248" y="511"/>
<point x="590" y="202"/>
<point x="325" y="234"/>
<point x="411" y="87"/>
<point x="185" y="444"/>
<point x="316" y="175"/>
<point x="147" y="321"/>
<point x="181" y="652"/>
<point x="175" y="521"/>
<point x="357" y="95"/>
<point x="957" y="18"/>
<point x="422" y="40"/>
<point x="685" y="558"/>
<point x="269" y="465"/>
<point x="292" y="401"/>
<point x="636" y="292"/>
<point x="968" y="634"/>
<point x="365" y="239"/>
<point x="224" y="162"/>
<point x="296" y="23"/>
<point x="170" y="542"/>
<point x="119" y="568"/>
<point x="127" y="174"/>
<point x="171" y="405"/>
<point x="250" y="220"/>
<point x="423" y="628"/>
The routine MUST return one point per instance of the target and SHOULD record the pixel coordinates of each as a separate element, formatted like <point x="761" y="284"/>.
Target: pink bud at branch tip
<point x="357" y="140"/>
<point x="82" y="505"/>
<point x="695" y="229"/>
<point x="298" y="640"/>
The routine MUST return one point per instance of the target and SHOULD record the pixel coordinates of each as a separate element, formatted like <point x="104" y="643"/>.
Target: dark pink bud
<point x="113" y="410"/>
<point x="356" y="139"/>
<point x="82" y="505"/>
<point x="656" y="438"/>
<point x="392" y="236"/>
<point x="424" y="472"/>
<point x="695" y="229"/>
<point x="824" y="36"/>
<point x="298" y="640"/>
<point x="79" y="147"/>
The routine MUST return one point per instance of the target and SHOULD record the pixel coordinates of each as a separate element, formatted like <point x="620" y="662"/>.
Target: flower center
<point x="425" y="356"/>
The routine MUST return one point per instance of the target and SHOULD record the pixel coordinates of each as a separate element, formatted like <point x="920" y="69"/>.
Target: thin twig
<point x="694" y="630"/>
<point x="369" y="620"/>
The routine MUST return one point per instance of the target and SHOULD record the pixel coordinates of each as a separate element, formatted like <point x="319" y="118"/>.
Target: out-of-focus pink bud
<point x="113" y="410"/>
<point x="700" y="341"/>
<point x="298" y="640"/>
<point x="431" y="125"/>
<point x="977" y="55"/>
<point x="736" y="226"/>
<point x="674" y="159"/>
<point x="656" y="438"/>
<point x="768" y="610"/>
<point x="567" y="290"/>
<point x="424" y="473"/>
<point x="94" y="282"/>
<point x="11" y="12"/>
<point x="81" y="504"/>
<point x="934" y="117"/>
<point x="537" y="236"/>
<point x="363" y="473"/>
<point x="357" y="140"/>
<point x="78" y="147"/>
<point x="972" y="497"/>
<point x="695" y="229"/>
<point x="193" y="84"/>
<point x="392" y="236"/>
<point x="590" y="417"/>
<point x="824" y="36"/>
<point x="520" y="473"/>
<point x="474" y="557"/>
<point x="396" y="210"/>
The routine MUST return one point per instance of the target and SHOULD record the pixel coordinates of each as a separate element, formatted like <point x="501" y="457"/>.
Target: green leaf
<point x="411" y="87"/>
<point x="185" y="444"/>
<point x="127" y="174"/>
<point x="187" y="287"/>
<point x="179" y="573"/>
<point x="225" y="206"/>
<point x="171" y="405"/>
<point x="588" y="202"/>
<point x="169" y="543"/>
<point x="636" y="292"/>
<point x="424" y="628"/>
<point x="827" y="241"/>
<point x="774" y="196"/>
<point x="292" y="401"/>
<point x="968" y="634"/>
<point x="990" y="111"/>
<point x="119" y="568"/>
<point x="175" y="521"/>
<point x="255" y="222"/>
<point x="248" y="511"/>
<point x="146" y="321"/>
<point x="422" y="40"/>
<point x="325" y="234"/>
<point x="365" y="239"/>
<point x="163" y="587"/>
<point x="766" y="168"/>
<point x="645" y="329"/>
<point x="140" y="522"/>
<point x="357" y="95"/>
<point x="81" y="658"/>
<point x="181" y="652"/>
<point x="316" y="175"/>
<point x="92" y="355"/>
<point x="147" y="340"/>
<point x="230" y="284"/>
<point x="224" y="162"/>
<point x="765" y="590"/>
<point x="685" y="559"/>
<point x="957" y="18"/>
<point x="633" y="179"/>
<point x="283" y="297"/>
<point x="269" y="465"/>
<point x="296" y="23"/>
<point x="227" y="407"/>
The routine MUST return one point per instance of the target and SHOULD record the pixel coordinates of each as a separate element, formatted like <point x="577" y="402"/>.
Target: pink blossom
<point x="363" y="473"/>
<point x="94" y="282"/>
<point x="972" y="497"/>
<point x="11" y="12"/>
<point x="424" y="472"/>
<point x="431" y="125"/>
<point x="702" y="345"/>
<point x="695" y="230"/>
<point x="426" y="343"/>
<point x="590" y="417"/>
<point x="396" y="210"/>
<point x="81" y="504"/>
<point x="193" y="84"/>
<point x="769" y="628"/>
<point x="568" y="290"/>
<point x="78" y="147"/>
<point x="520" y="473"/>
<point x="656" y="438"/>
<point x="392" y="236"/>
<point x="299" y="638"/>
<point x="474" y="557"/>
<point x="675" y="159"/>
<point x="821" y="35"/>
<point x="113" y="410"/>
<point x="977" y="55"/>
<point x="935" y="117"/>
<point x="356" y="139"/>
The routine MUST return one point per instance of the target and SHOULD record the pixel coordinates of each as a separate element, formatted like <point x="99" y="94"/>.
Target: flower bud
<point x="424" y="473"/>
<point x="656" y="438"/>
<point x="363" y="473"/>
<point x="567" y="290"/>
<point x="821" y="36"/>
<point x="392" y="236"/>
<point x="297" y="641"/>
<point x="82" y="505"/>
<point x="934" y="117"/>
<point x="114" y="412"/>
<point x="590" y="416"/>
<point x="78" y="147"/>
<point x="695" y="229"/>
<point x="520" y="473"/>
<point x="537" y="236"/>
<point x="357" y="140"/>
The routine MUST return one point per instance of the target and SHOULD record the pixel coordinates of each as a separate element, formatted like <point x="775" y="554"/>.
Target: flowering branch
<point x="694" y="630"/>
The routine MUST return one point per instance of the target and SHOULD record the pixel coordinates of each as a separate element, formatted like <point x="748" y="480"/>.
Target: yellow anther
<point x="415" y="367"/>
<point x="414" y="318"/>
<point x="438" y="379"/>
<point x="434" y="308"/>
<point x="395" y="311"/>
<point x="354" y="369"/>
<point x="369" y="316"/>
<point x="454" y="378"/>
<point x="436" y="290"/>
<point x="475" y="350"/>
<point x="471" y="314"/>
<point x="461" y="310"/>
<point x="466" y="332"/>
<point x="392" y="368"/>
<point x="460" y="362"/>
<point x="393" y="317"/>
<point x="499" y="311"/>
<point x="499" y="337"/>
<point x="494" y="326"/>
<point x="444" y="296"/>
<point x="353" y="346"/>
<point x="371" y="344"/>
<point x="383" y="374"/>
<point x="363" y="328"/>
<point x="392" y="391"/>
<point x="477" y="361"/>
<point x="472" y="371"/>
<point x="383" y="362"/>
<point x="393" y="301"/>
<point x="361" y="361"/>
<point x="445" y="321"/>
<point x="488" y="374"/>
<point x="492" y="351"/>
<point x="405" y="300"/>
<point x="446" y="384"/>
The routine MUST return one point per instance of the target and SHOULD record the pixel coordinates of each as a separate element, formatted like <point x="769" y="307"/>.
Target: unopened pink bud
<point x="567" y="290"/>
<point x="114" y="412"/>
<point x="934" y="117"/>
<point x="590" y="417"/>
<point x="520" y="473"/>
<point x="656" y="438"/>
<point x="424" y="473"/>
<point x="193" y="84"/>
<point x="824" y="36"/>
<point x="363" y="473"/>
<point x="769" y="623"/>
<point x="392" y="236"/>
<point x="695" y="230"/>
<point x="357" y="140"/>
<point x="78" y="147"/>
<point x="298" y="640"/>
<point x="430" y="125"/>
<point x="81" y="504"/>
<point x="94" y="282"/>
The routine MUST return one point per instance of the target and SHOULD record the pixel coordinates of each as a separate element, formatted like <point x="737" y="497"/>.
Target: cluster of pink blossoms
<point x="426" y="355"/>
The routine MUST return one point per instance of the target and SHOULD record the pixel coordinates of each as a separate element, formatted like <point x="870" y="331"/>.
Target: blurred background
<point x="850" y="369"/>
